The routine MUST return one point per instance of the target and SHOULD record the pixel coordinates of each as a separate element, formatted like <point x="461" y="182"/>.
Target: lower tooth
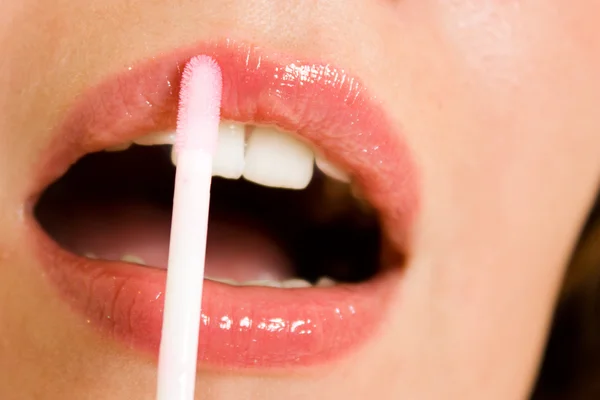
<point x="295" y="283"/>
<point x="224" y="280"/>
<point x="133" y="259"/>
<point x="273" y="284"/>
<point x="288" y="284"/>
<point x="325" y="282"/>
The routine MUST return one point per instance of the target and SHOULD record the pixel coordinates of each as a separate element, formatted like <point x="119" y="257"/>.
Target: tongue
<point x="235" y="250"/>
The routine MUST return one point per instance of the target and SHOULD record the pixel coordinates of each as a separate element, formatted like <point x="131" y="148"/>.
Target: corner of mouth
<point x="323" y="108"/>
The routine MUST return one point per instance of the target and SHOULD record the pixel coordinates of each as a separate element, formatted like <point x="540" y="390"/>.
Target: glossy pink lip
<point x="242" y="326"/>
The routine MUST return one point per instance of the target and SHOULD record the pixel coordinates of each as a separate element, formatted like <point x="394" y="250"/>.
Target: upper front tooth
<point x="228" y="160"/>
<point x="277" y="159"/>
<point x="331" y="170"/>
<point x="130" y="258"/>
<point x="325" y="281"/>
<point x="156" y="139"/>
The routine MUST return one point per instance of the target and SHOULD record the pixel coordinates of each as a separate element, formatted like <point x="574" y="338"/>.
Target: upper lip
<point x="323" y="104"/>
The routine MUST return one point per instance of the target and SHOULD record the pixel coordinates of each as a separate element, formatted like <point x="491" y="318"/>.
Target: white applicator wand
<point x="196" y="139"/>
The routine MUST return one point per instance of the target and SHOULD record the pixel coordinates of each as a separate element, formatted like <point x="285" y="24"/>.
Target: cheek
<point x="500" y="85"/>
<point x="508" y="157"/>
<point x="486" y="38"/>
<point x="509" y="161"/>
<point x="511" y="58"/>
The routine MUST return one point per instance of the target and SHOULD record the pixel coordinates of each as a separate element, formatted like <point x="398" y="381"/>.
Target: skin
<point x="498" y="101"/>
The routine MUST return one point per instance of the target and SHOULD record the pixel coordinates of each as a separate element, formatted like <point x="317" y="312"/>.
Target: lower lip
<point x="241" y="327"/>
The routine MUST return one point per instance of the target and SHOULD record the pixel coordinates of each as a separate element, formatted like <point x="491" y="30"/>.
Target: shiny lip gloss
<point x="256" y="327"/>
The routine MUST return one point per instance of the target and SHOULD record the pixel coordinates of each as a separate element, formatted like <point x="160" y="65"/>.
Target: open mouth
<point x="279" y="219"/>
<point x="312" y="201"/>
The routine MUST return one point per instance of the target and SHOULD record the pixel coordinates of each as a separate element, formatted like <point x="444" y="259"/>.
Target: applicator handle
<point x="187" y="252"/>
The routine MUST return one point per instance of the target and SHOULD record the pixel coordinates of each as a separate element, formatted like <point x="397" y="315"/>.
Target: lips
<point x="258" y="327"/>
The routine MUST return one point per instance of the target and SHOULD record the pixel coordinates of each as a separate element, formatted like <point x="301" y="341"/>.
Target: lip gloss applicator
<point x="196" y="139"/>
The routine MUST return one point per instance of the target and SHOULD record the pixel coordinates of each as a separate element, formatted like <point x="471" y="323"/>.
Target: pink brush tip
<point x="199" y="105"/>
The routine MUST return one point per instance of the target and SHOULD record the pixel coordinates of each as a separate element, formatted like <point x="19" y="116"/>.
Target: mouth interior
<point x="117" y="206"/>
